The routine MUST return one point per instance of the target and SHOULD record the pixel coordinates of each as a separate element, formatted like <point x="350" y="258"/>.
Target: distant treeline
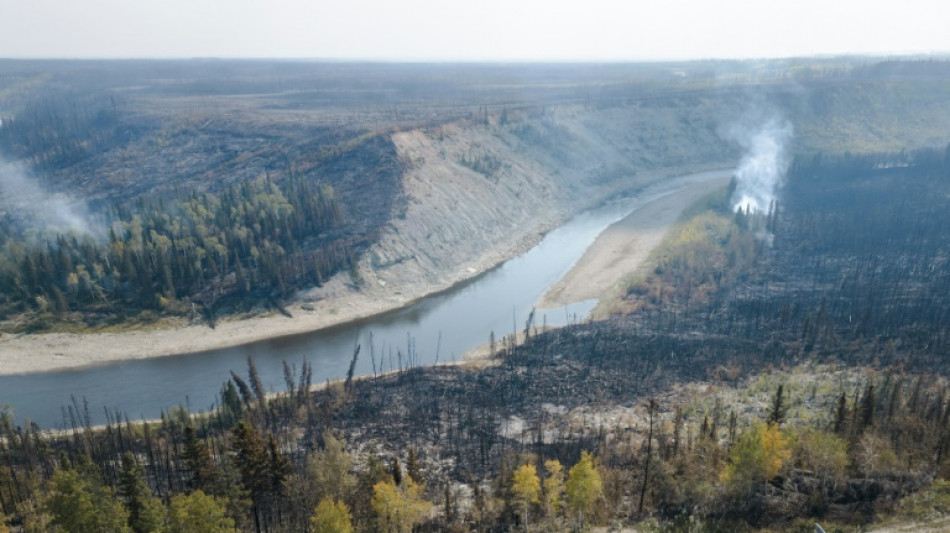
<point x="57" y="129"/>
<point x="898" y="68"/>
<point x="256" y="238"/>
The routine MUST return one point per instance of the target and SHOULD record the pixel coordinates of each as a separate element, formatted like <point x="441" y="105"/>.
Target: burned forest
<point x="774" y="369"/>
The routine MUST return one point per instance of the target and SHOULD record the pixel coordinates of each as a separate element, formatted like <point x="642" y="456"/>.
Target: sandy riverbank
<point x="338" y="302"/>
<point x="21" y="354"/>
<point x="620" y="249"/>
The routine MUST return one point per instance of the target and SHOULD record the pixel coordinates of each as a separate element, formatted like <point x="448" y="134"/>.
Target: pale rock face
<point x="476" y="194"/>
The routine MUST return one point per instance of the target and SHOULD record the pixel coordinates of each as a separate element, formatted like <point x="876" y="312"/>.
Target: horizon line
<point x="498" y="61"/>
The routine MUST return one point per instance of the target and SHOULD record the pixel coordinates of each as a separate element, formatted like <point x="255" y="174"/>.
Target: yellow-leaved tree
<point x="198" y="512"/>
<point x="583" y="488"/>
<point x="331" y="516"/>
<point x="79" y="501"/>
<point x="553" y="488"/>
<point x="525" y="488"/>
<point x="399" y="508"/>
<point x="757" y="456"/>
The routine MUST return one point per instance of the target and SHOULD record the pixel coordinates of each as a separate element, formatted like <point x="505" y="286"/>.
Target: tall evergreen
<point x="146" y="512"/>
<point x="204" y="473"/>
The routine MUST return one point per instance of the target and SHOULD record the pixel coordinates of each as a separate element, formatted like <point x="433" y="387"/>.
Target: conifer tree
<point x="778" y="409"/>
<point x="205" y="475"/>
<point x="868" y="402"/>
<point x="251" y="459"/>
<point x="278" y="467"/>
<point x="146" y="512"/>
<point x="841" y="414"/>
<point x="413" y="468"/>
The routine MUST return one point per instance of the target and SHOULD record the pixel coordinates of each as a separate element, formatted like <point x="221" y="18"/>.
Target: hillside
<point x="750" y="384"/>
<point x="438" y="173"/>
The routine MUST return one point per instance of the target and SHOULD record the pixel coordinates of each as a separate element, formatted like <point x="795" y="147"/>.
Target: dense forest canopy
<point x="256" y="239"/>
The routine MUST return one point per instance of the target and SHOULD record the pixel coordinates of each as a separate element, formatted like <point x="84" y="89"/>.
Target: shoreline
<point x="338" y="303"/>
<point x="625" y="245"/>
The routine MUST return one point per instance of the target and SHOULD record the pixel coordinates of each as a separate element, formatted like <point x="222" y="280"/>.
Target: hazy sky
<point x="471" y="30"/>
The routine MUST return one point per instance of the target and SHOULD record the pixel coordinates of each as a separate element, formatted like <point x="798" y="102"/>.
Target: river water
<point x="440" y="328"/>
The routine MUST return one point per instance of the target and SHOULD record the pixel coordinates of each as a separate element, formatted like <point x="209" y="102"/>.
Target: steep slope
<point x="469" y="193"/>
<point x="477" y="193"/>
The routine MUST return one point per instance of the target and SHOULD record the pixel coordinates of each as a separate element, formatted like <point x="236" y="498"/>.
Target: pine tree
<point x="778" y="409"/>
<point x="246" y="396"/>
<point x="651" y="407"/>
<point x="205" y="475"/>
<point x="395" y="471"/>
<point x="868" y="402"/>
<point x="231" y="407"/>
<point x="841" y="414"/>
<point x="256" y="385"/>
<point x="251" y="459"/>
<point x="279" y="467"/>
<point x="413" y="469"/>
<point x="146" y="512"/>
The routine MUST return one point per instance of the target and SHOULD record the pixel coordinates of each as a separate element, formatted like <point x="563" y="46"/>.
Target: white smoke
<point x="761" y="172"/>
<point x="23" y="197"/>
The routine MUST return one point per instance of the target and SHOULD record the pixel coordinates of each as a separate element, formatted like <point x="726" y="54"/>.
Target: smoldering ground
<point x="23" y="198"/>
<point x="763" y="134"/>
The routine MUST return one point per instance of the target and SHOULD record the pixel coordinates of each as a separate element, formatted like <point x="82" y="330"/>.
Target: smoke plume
<point x="23" y="197"/>
<point x="761" y="172"/>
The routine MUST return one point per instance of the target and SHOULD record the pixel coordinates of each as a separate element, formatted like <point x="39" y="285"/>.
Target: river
<point x="439" y="328"/>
